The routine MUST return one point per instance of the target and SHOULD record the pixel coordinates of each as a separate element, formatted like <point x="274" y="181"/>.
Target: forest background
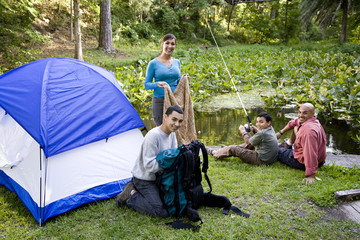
<point x="300" y="48"/>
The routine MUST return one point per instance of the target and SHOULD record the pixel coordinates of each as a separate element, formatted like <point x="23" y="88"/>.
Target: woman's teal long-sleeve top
<point x="162" y="73"/>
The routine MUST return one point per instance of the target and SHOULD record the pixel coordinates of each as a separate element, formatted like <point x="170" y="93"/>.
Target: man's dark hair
<point x="265" y="115"/>
<point x="174" y="108"/>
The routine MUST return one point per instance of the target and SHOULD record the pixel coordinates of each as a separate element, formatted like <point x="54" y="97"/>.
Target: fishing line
<point x="236" y="90"/>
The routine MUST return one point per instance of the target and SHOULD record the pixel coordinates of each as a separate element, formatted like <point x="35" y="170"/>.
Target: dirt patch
<point x="55" y="25"/>
<point x="333" y="213"/>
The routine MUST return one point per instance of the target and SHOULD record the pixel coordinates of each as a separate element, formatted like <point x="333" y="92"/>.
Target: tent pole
<point x="40" y="221"/>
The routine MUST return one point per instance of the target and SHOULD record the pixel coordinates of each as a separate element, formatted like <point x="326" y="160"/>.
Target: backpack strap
<point x="179" y="224"/>
<point x="176" y="188"/>
<point x="205" y="165"/>
<point x="188" y="183"/>
<point x="189" y="166"/>
<point x="236" y="210"/>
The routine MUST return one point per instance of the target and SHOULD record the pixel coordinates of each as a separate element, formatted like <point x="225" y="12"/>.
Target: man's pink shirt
<point x="310" y="144"/>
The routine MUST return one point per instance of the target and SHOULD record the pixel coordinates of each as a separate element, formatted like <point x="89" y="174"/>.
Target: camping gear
<point x="69" y="135"/>
<point x="180" y="180"/>
<point x="169" y="180"/>
<point x="180" y="183"/>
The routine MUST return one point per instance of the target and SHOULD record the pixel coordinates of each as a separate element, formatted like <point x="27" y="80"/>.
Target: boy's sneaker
<point x="122" y="197"/>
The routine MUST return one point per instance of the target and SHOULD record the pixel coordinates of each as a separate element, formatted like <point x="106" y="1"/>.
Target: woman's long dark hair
<point x="167" y="37"/>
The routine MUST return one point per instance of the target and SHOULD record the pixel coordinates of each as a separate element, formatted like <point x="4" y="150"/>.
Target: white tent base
<point x="54" y="185"/>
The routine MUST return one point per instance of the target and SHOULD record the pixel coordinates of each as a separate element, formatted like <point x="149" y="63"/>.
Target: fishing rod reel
<point x="247" y="127"/>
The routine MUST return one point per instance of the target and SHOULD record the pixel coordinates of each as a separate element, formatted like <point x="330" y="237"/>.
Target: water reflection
<point x="221" y="127"/>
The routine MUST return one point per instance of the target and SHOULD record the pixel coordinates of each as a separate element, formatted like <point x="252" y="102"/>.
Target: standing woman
<point x="161" y="71"/>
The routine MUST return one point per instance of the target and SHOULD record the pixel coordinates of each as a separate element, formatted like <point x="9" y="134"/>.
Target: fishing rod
<point x="236" y="90"/>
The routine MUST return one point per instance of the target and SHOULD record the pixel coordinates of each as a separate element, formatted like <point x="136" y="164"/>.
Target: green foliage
<point x="324" y="11"/>
<point x="326" y="75"/>
<point x="182" y="18"/>
<point x="16" y="34"/>
<point x="329" y="16"/>
<point x="328" y="79"/>
<point x="357" y="138"/>
<point x="132" y="21"/>
<point x="132" y="79"/>
<point x="125" y="31"/>
<point x="125" y="11"/>
<point x="164" y="16"/>
<point x="265" y="22"/>
<point x="132" y="33"/>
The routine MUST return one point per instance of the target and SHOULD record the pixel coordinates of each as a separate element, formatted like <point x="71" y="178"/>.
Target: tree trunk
<point x="232" y="9"/>
<point x="286" y="14"/>
<point x="105" y="33"/>
<point x="71" y="20"/>
<point x="323" y="33"/>
<point x="141" y="15"/>
<point x="59" y="8"/>
<point x="78" y="49"/>
<point x="343" y="36"/>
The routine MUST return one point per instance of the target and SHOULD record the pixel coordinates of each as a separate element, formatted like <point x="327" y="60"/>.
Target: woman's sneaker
<point x="122" y="197"/>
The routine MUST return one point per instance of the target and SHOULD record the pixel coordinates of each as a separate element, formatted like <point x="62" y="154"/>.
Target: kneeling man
<point x="142" y="193"/>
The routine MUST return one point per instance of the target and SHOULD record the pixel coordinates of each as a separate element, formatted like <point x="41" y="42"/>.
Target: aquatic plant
<point x="327" y="76"/>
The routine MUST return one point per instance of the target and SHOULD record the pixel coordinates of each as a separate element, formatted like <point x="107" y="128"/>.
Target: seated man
<point x="309" y="143"/>
<point x="142" y="193"/>
<point x="264" y="141"/>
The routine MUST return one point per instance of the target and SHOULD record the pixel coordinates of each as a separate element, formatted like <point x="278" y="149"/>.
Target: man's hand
<point x="278" y="135"/>
<point x="309" y="179"/>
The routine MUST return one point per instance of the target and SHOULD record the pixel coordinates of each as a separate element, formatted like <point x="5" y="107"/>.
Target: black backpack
<point x="192" y="177"/>
<point x="180" y="183"/>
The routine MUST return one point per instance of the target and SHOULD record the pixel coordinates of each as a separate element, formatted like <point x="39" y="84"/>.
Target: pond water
<point x="221" y="128"/>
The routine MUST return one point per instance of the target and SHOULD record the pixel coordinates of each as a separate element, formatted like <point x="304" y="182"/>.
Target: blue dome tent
<point x="70" y="135"/>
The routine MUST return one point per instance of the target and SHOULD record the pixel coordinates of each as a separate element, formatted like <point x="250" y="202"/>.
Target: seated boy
<point x="262" y="148"/>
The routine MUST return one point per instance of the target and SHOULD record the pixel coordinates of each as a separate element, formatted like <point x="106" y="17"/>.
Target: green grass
<point x="280" y="204"/>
